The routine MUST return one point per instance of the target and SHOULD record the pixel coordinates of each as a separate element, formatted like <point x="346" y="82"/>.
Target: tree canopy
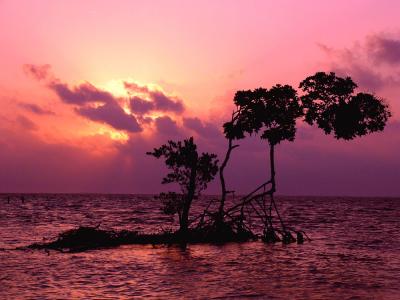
<point x="331" y="103"/>
<point x="271" y="113"/>
<point x="191" y="171"/>
<point x="181" y="158"/>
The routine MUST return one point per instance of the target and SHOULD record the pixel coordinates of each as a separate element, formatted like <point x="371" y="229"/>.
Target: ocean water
<point x="354" y="252"/>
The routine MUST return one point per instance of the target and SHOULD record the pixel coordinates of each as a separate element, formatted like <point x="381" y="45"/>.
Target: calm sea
<point x="354" y="253"/>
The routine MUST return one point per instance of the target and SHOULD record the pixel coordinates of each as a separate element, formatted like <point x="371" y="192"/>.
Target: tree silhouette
<point x="330" y="102"/>
<point x="272" y="114"/>
<point x="191" y="171"/>
<point x="235" y="129"/>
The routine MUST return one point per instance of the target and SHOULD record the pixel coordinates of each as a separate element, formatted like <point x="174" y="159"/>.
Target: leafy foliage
<point x="330" y="102"/>
<point x="172" y="203"/>
<point x="281" y="109"/>
<point x="272" y="113"/>
<point x="182" y="159"/>
<point x="191" y="171"/>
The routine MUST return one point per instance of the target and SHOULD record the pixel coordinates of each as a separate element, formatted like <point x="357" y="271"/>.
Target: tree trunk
<point x="272" y="166"/>
<point x="224" y="192"/>
<point x="188" y="201"/>
<point x="273" y="188"/>
<point x="222" y="179"/>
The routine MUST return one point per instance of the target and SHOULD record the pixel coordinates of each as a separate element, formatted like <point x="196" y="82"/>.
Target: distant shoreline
<point x="206" y="195"/>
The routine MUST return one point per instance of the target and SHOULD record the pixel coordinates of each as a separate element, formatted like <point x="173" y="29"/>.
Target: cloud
<point x="204" y="129"/>
<point x="85" y="95"/>
<point x="158" y="102"/>
<point x="165" y="103"/>
<point x="39" y="72"/>
<point x="363" y="62"/>
<point x="134" y="87"/>
<point x="364" y="76"/>
<point x="112" y="114"/>
<point x="155" y="100"/>
<point x="166" y="126"/>
<point x="33" y="108"/>
<point x="82" y="94"/>
<point x="79" y="95"/>
<point x="141" y="106"/>
<point x="384" y="49"/>
<point x="25" y="123"/>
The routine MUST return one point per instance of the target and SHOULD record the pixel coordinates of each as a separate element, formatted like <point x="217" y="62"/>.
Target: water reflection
<point x="354" y="253"/>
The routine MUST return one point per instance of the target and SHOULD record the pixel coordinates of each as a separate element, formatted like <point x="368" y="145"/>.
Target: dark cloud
<point x="39" y="72"/>
<point x="112" y="114"/>
<point x="26" y="123"/>
<point x="364" y="76"/>
<point x="144" y="120"/>
<point x="384" y="49"/>
<point x="134" y="87"/>
<point x="165" y="103"/>
<point x="166" y="126"/>
<point x="141" y="106"/>
<point x="204" y="129"/>
<point x="363" y="62"/>
<point x="81" y="94"/>
<point x="159" y="102"/>
<point x="33" y="108"/>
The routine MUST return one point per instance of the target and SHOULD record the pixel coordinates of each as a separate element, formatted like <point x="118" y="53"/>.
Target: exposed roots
<point x="255" y="206"/>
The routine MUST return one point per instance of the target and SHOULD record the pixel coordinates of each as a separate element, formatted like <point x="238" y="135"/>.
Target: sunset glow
<point x="97" y="84"/>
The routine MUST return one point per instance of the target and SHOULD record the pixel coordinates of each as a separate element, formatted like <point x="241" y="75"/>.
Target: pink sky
<point x="188" y="58"/>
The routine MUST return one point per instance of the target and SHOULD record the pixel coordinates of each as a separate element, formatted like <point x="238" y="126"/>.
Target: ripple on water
<point x="355" y="253"/>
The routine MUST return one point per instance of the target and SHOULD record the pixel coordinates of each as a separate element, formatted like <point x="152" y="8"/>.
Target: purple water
<point x="354" y="253"/>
